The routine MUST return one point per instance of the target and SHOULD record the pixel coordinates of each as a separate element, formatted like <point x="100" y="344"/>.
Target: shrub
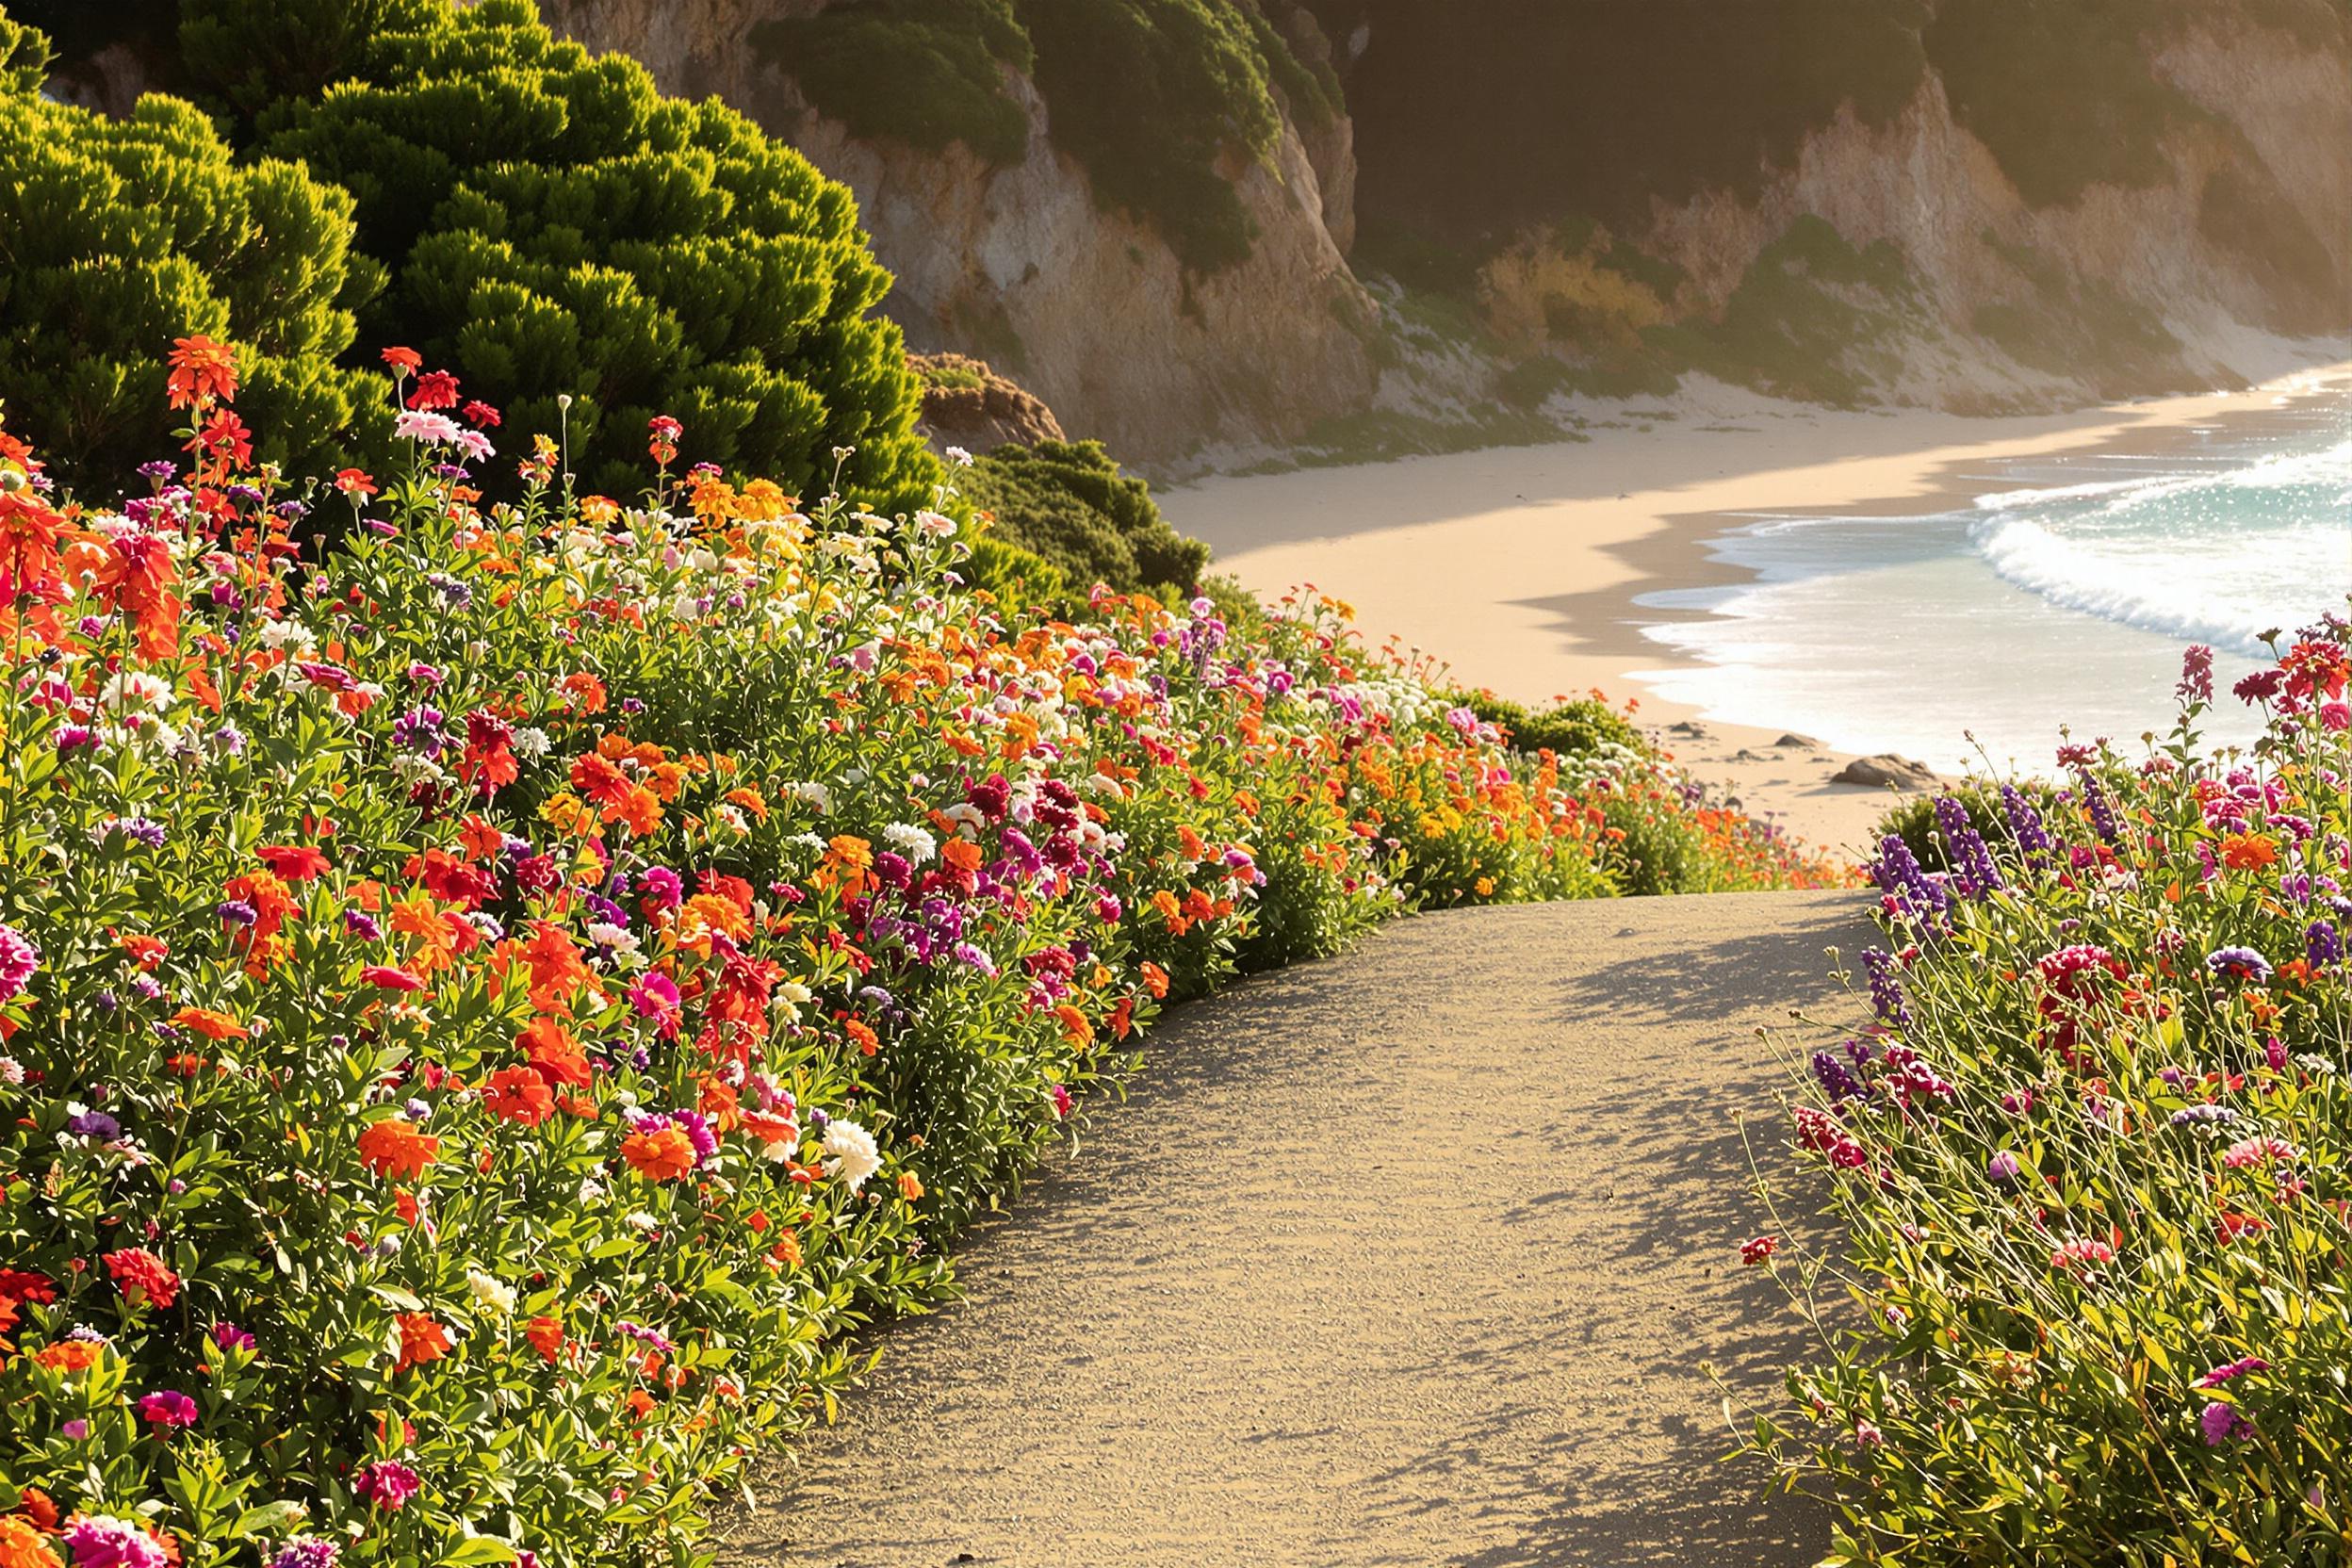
<point x="121" y="236"/>
<point x="490" y="1004"/>
<point x="928" y="73"/>
<point x="1067" y="503"/>
<point x="1987" y="812"/>
<point x="1579" y="727"/>
<point x="550" y="221"/>
<point x="2092" y="1162"/>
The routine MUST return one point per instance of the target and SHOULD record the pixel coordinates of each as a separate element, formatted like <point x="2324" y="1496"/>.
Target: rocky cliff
<point x="1020" y="263"/>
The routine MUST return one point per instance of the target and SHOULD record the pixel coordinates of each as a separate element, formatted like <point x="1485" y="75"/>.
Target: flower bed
<point x="2095" y="1161"/>
<point x="493" y="995"/>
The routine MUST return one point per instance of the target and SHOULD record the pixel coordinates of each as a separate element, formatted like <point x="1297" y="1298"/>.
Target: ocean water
<point x="2062" y="596"/>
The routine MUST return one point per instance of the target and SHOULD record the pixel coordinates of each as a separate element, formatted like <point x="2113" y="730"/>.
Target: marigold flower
<point x="70" y="1356"/>
<point x="546" y="1335"/>
<point x="23" y="1546"/>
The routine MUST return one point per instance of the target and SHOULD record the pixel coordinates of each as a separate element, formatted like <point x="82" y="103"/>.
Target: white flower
<point x="852" y="1154"/>
<point x="619" y="937"/>
<point x="531" y="742"/>
<point x="959" y="457"/>
<point x="591" y="1191"/>
<point x="287" y="634"/>
<point x="491" y="1294"/>
<point x="814" y="796"/>
<point x="912" y="842"/>
<point x="935" y="524"/>
<point x="795" y="993"/>
<point x="135" y="689"/>
<point x="810" y="842"/>
<point x="965" y="818"/>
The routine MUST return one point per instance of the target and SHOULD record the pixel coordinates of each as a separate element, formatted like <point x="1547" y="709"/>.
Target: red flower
<point x="546" y="1335"/>
<point x="1759" y="1248"/>
<point x="141" y="1276"/>
<point x="293" y="862"/>
<point x="434" y="389"/>
<point x="354" y="482"/>
<point x="481" y="414"/>
<point x="225" y="436"/>
<point x="391" y="979"/>
<point x="422" y="1340"/>
<point x="402" y="359"/>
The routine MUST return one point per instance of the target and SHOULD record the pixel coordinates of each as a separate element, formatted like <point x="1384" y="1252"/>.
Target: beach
<point x="1530" y="569"/>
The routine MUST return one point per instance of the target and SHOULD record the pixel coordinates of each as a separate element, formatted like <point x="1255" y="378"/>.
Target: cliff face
<point x="1018" y="264"/>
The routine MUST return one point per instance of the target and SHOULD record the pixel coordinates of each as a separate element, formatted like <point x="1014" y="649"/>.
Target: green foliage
<point x="120" y="236"/>
<point x="553" y="224"/>
<point x="24" y="57"/>
<point x="1579" y="727"/>
<point x="1067" y="503"/>
<point x="924" y="72"/>
<point x="2086" y="1300"/>
<point x="1151" y="95"/>
<point x="1813" y="317"/>
<point x="2062" y="92"/>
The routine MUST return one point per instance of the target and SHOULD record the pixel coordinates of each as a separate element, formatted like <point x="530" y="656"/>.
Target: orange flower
<point x="146" y="951"/>
<point x="1156" y="980"/>
<point x="422" y="1340"/>
<point x="554" y="1053"/>
<point x="212" y="1026"/>
<point x="203" y="371"/>
<point x="909" y="1185"/>
<point x="661" y="1155"/>
<point x="2247" y="852"/>
<point x="546" y="1336"/>
<point x="394" y="1147"/>
<point x="38" y="1506"/>
<point x="22" y="1544"/>
<point x="354" y="482"/>
<point x="1075" y="1029"/>
<point x="861" y="1036"/>
<point x="70" y="1355"/>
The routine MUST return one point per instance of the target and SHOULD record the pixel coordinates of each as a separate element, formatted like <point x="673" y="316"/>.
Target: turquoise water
<point x="2066" y="595"/>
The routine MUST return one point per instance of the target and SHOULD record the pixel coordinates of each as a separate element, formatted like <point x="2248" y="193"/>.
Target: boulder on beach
<point x="1794" y="739"/>
<point x="1886" y="770"/>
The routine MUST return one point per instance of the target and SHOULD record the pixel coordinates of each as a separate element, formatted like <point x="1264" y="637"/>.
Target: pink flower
<point x="2227" y="1370"/>
<point x="2249" y="1153"/>
<point x="166" y="1407"/>
<point x="385" y="977"/>
<point x="385" y="1483"/>
<point x="2083" y="1252"/>
<point x="1060" y="1097"/>
<point x="19" y="958"/>
<point x="656" y="997"/>
<point x="2335" y="716"/>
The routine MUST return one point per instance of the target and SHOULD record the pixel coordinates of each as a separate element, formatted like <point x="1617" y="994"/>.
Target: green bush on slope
<point x="924" y="71"/>
<point x="549" y="223"/>
<point x="1067" y="503"/>
<point x="119" y="237"/>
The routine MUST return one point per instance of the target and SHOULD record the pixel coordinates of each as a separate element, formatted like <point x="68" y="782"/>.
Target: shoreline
<point x="1535" y="598"/>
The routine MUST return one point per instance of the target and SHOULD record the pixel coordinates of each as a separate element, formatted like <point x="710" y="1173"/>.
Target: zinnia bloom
<point x="660" y="1155"/>
<point x="518" y="1094"/>
<point x="422" y="1340"/>
<point x="852" y="1154"/>
<point x="166" y="1407"/>
<point x="394" y="1147"/>
<point x="2238" y="963"/>
<point x="385" y="1483"/>
<point x="19" y="959"/>
<point x="142" y="1276"/>
<point x="100" y="1541"/>
<point x="22" y="1544"/>
<point x="2221" y="1423"/>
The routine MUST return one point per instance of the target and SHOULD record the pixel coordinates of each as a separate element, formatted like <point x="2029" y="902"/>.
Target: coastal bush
<point x="548" y="219"/>
<point x="924" y="72"/>
<point x="119" y="234"/>
<point x="1576" y="726"/>
<point x="490" y="1001"/>
<point x="1919" y="821"/>
<point x="2091" y="1159"/>
<point x="1067" y="503"/>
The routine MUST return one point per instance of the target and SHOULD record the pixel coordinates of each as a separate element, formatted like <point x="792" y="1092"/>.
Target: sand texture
<point x="1410" y="1257"/>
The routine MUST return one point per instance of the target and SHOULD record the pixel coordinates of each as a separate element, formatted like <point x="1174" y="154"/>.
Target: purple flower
<point x="72" y="737"/>
<point x="2095" y="801"/>
<point x="1837" y="1080"/>
<point x="2196" y="673"/>
<point x="95" y="1124"/>
<point x="2198" y="1116"/>
<point x="2221" y="1422"/>
<point x="235" y="911"/>
<point x="1899" y="875"/>
<point x="2238" y="963"/>
<point x="19" y="959"/>
<point x="360" y="923"/>
<point x="419" y="730"/>
<point x="307" y="1551"/>
<point x="385" y="1483"/>
<point x="2002" y="1168"/>
<point x="2321" y="946"/>
<point x="1886" y="992"/>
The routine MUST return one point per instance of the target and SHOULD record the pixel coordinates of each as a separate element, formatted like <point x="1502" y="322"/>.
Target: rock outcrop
<point x="967" y="405"/>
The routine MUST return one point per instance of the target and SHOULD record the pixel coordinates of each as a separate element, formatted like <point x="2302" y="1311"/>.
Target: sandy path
<point x="1412" y="1257"/>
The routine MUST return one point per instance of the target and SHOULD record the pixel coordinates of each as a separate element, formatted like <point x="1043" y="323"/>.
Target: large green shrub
<point x="551" y="223"/>
<point x="116" y="236"/>
<point x="928" y="73"/>
<point x="1067" y="502"/>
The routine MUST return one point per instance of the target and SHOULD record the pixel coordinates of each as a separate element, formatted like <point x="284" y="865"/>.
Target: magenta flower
<point x="166" y="1407"/>
<point x="19" y="958"/>
<point x="2227" y="1370"/>
<point x="2221" y="1423"/>
<point x="385" y="1483"/>
<point x="103" y="1542"/>
<point x="230" y="1337"/>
